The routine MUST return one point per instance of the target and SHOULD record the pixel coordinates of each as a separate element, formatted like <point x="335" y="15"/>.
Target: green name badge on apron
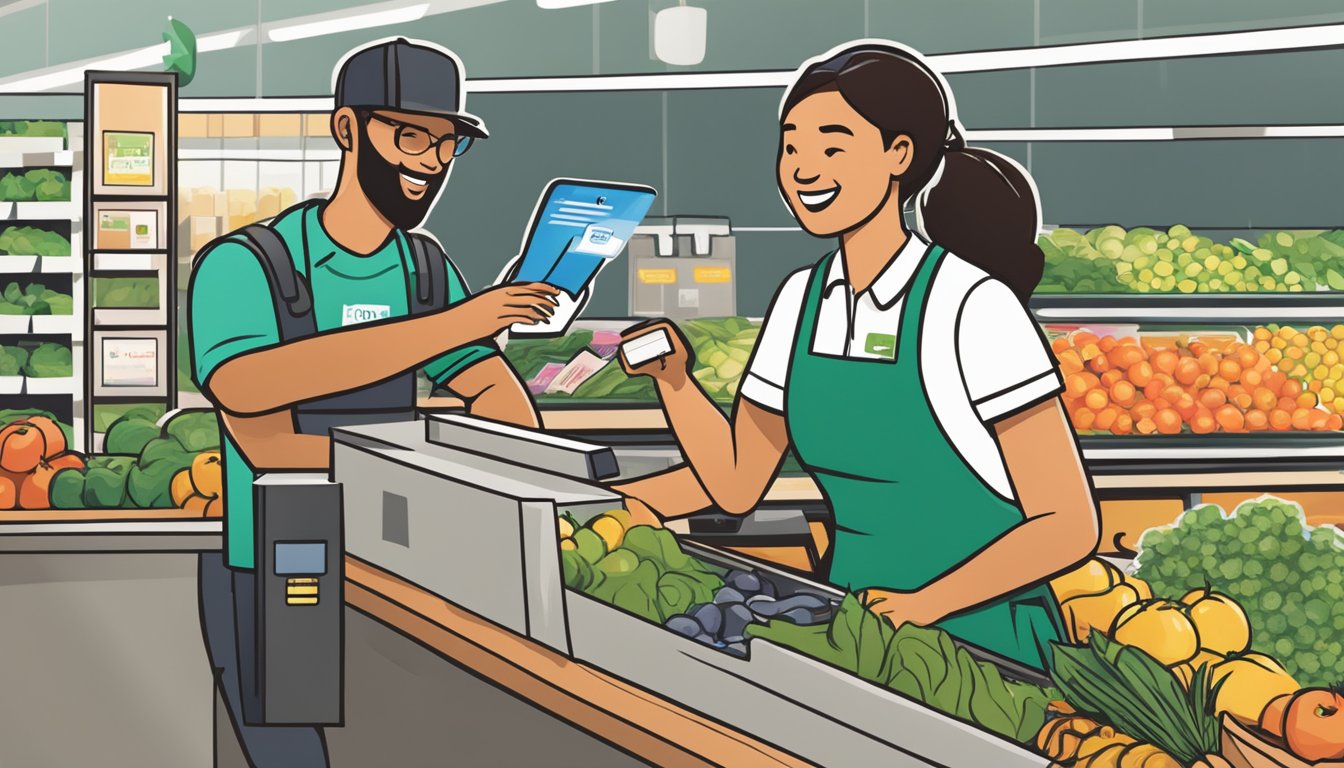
<point x="880" y="345"/>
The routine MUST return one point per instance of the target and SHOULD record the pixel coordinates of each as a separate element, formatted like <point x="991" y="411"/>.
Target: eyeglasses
<point x="414" y="140"/>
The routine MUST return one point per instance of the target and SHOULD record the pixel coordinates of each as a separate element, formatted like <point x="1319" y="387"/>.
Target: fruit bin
<point x="473" y="518"/>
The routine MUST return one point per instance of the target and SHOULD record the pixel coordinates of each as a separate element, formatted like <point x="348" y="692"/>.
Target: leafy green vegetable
<point x="148" y="485"/>
<point x="647" y="575"/>
<point x="67" y="489"/>
<point x="126" y="292"/>
<point x="129" y="435"/>
<point x="31" y="241"/>
<point x="41" y="184"/>
<point x="10" y="365"/>
<point x="919" y="662"/>
<point x="1124" y="686"/>
<point x="196" y="430"/>
<point x="50" y="361"/>
<point x="105" y="488"/>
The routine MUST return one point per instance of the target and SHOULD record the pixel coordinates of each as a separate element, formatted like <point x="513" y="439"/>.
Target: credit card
<point x="650" y="346"/>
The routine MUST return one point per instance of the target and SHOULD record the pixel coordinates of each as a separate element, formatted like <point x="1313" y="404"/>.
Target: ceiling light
<point x="140" y="58"/>
<point x="679" y="35"/>
<point x="348" y="23"/>
<point x="553" y="4"/>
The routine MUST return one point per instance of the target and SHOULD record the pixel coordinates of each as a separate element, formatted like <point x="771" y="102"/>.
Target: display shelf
<point x="125" y="318"/>
<point x="128" y="261"/>
<point x="57" y="385"/>
<point x="58" y="324"/>
<point x="49" y="209"/>
<point x="1321" y="307"/>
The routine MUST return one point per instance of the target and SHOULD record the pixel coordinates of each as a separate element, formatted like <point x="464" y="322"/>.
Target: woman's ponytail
<point x="976" y="203"/>
<point x="982" y="207"/>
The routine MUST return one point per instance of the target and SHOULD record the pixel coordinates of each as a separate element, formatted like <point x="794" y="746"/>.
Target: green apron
<point x="907" y="507"/>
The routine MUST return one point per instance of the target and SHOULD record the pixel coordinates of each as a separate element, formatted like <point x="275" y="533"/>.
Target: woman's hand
<point x="641" y="513"/>
<point x="898" y="607"/>
<point x="673" y="368"/>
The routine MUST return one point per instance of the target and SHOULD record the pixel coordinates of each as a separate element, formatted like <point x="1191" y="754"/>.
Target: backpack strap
<point x="290" y="293"/>
<point x="431" y="274"/>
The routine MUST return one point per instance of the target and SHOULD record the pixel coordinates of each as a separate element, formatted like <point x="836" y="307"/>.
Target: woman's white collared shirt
<point x="981" y="354"/>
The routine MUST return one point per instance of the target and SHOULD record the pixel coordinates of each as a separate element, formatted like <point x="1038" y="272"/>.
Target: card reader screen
<point x="307" y="558"/>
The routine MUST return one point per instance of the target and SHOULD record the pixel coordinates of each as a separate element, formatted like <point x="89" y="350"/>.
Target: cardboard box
<point x="193" y="125"/>
<point x="201" y="230"/>
<point x="214" y="126"/>
<point x="239" y="125"/>
<point x="269" y="124"/>
<point x="268" y="203"/>
<point x="201" y="202"/>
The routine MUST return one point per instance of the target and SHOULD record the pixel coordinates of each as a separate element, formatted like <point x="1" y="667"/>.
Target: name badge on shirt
<point x="354" y="314"/>
<point x="880" y="345"/>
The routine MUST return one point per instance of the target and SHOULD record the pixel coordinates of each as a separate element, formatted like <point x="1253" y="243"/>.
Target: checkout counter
<point x="457" y="633"/>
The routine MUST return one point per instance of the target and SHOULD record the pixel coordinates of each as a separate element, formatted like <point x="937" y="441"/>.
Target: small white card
<point x="650" y="346"/>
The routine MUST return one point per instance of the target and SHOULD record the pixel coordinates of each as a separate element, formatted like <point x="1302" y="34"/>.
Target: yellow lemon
<point x="1249" y="683"/>
<point x="1092" y="577"/>
<point x="1222" y="624"/>
<point x="568" y="545"/>
<point x="566" y="528"/>
<point x="610" y="529"/>
<point x="1087" y="612"/>
<point x="619" y="515"/>
<point x="1161" y="628"/>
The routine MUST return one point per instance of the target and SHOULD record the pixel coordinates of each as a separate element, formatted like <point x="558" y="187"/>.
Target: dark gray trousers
<point x="228" y="617"/>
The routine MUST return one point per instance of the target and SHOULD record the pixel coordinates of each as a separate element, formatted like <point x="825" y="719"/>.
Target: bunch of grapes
<point x="1287" y="575"/>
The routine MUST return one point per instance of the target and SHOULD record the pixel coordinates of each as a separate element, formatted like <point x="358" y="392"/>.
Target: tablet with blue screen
<point x="578" y="226"/>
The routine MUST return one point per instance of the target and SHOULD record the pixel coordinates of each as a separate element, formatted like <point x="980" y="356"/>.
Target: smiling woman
<point x="903" y="368"/>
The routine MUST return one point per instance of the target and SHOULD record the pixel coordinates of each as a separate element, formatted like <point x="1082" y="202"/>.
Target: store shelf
<point x="107" y="318"/>
<point x="128" y="261"/>
<point x="57" y="158"/>
<point x="264" y="155"/>
<point x="35" y="145"/>
<point x="58" y="324"/>
<point x="67" y="385"/>
<point x="1323" y="307"/>
<point x="52" y="209"/>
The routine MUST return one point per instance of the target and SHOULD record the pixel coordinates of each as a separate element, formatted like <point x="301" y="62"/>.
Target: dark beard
<point x="381" y="182"/>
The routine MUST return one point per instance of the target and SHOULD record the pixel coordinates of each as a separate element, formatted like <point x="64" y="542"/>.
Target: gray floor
<point x="407" y="706"/>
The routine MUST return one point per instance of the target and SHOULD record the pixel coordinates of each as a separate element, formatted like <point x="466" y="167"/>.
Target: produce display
<point x="721" y="346"/>
<point x="34" y="299"/>
<point x="921" y="663"/>
<point x="126" y="292"/>
<point x="33" y="450"/>
<point x="1172" y="385"/>
<point x="40" y="184"/>
<point x="31" y="241"/>
<point x="147" y="466"/>
<point x="1287" y="575"/>
<point x="46" y="361"/>
<point x="746" y="598"/>
<point x="1142" y="260"/>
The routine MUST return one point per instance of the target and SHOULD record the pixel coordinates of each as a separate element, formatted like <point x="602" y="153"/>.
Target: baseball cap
<point x="406" y="77"/>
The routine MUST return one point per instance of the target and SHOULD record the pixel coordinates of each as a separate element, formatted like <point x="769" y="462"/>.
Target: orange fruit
<point x="1124" y="424"/>
<point x="1242" y="401"/>
<point x="1288" y="404"/>
<point x="1165" y="361"/>
<point x="1212" y="398"/>
<point x="22" y="447"/>
<point x="1146" y="426"/>
<point x="1335" y="422"/>
<point x="1144" y="409"/>
<point x="1280" y="420"/>
<point x="1230" y="418"/>
<point x="1083" y="418"/>
<point x="1275" y="380"/>
<point x="1109" y="378"/>
<point x="1070" y="362"/>
<point x="9" y="494"/>
<point x="1082" y="338"/>
<point x="1168" y="421"/>
<point x="1219" y="383"/>
<point x="1060" y="344"/>
<point x="1208" y="363"/>
<point x="51" y="431"/>
<point x="1251" y="378"/>
<point x="1123" y="393"/>
<point x="1318" y="420"/>
<point x="1186" y="407"/>
<point x="1264" y="399"/>
<point x="1075" y="385"/>
<point x="1187" y="371"/>
<point x="1202" y="382"/>
<point x="1124" y="356"/>
<point x="1203" y="423"/>
<point x="1096" y="399"/>
<point x="1140" y="373"/>
<point x="1197" y="348"/>
<point x="1229" y="369"/>
<point x="1106" y="418"/>
<point x="1247" y="357"/>
<point x="1107" y="343"/>
<point x="1257" y="421"/>
<point x="1291" y="388"/>
<point x="1099" y="364"/>
<point x="1307" y="400"/>
<point x="1302" y="418"/>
